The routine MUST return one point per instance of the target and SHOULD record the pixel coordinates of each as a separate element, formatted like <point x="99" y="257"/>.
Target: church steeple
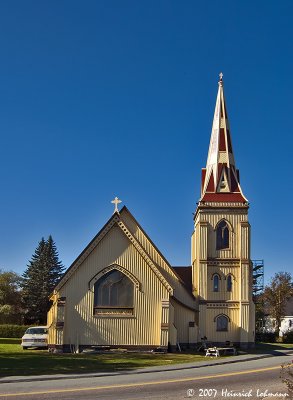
<point x="220" y="244"/>
<point x="220" y="178"/>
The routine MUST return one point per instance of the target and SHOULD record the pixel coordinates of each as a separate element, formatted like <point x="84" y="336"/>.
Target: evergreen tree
<point x="39" y="279"/>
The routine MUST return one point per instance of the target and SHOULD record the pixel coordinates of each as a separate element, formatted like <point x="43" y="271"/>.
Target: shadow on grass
<point x="10" y="341"/>
<point x="44" y="363"/>
<point x="270" y="348"/>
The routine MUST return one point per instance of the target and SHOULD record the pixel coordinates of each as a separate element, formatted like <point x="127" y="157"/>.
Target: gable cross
<point x="116" y="201"/>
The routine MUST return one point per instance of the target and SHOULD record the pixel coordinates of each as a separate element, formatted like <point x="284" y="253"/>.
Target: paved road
<point x="249" y="379"/>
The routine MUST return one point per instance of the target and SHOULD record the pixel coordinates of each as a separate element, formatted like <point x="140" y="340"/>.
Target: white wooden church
<point x="122" y="292"/>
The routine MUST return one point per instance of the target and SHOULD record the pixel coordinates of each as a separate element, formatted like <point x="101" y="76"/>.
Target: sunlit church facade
<point x="121" y="292"/>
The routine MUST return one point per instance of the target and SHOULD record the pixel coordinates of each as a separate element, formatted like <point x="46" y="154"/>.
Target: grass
<point x="15" y="361"/>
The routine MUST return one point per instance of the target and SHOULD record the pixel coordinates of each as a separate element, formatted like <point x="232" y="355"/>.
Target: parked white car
<point x="36" y="336"/>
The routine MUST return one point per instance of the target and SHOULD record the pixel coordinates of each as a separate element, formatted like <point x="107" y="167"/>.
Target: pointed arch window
<point x="222" y="236"/>
<point x="114" y="294"/>
<point x="222" y="323"/>
<point x="216" y="283"/>
<point x="229" y="283"/>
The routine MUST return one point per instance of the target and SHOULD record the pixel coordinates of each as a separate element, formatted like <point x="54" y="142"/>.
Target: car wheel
<point x="24" y="348"/>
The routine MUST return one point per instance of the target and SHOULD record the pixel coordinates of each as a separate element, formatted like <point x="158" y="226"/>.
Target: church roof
<point x="220" y="178"/>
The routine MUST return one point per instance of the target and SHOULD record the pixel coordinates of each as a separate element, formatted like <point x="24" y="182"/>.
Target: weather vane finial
<point x="116" y="201"/>
<point x="221" y="78"/>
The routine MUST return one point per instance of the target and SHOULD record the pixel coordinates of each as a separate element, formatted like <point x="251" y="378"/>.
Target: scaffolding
<point x="258" y="277"/>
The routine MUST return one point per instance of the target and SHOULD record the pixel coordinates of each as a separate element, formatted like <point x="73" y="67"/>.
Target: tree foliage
<point x="10" y="297"/>
<point x="39" y="279"/>
<point x="276" y="295"/>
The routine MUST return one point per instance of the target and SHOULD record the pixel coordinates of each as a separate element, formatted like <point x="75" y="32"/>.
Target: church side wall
<point x="81" y="327"/>
<point x="51" y="320"/>
<point x="172" y="328"/>
<point x="182" y="319"/>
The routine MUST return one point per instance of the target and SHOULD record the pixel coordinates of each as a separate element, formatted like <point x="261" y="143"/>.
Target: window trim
<point x="116" y="310"/>
<point x="229" y="287"/>
<point x="216" y="321"/>
<point x="227" y="228"/>
<point x="109" y="268"/>
<point x="216" y="275"/>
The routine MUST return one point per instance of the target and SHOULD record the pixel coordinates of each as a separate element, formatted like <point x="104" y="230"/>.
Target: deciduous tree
<point x="10" y="296"/>
<point x="276" y="295"/>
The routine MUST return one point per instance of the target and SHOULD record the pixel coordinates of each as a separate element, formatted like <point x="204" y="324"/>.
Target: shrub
<point x="268" y="337"/>
<point x="12" y="331"/>
<point x="288" y="337"/>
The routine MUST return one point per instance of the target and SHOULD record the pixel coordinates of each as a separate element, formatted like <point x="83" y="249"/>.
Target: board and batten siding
<point x="233" y="333"/>
<point x="235" y="220"/>
<point x="223" y="273"/>
<point x="237" y="305"/>
<point x="172" y="328"/>
<point x="182" y="317"/>
<point x="51" y="320"/>
<point x="143" y="328"/>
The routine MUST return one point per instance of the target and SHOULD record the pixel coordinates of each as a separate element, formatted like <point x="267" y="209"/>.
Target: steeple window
<point x="222" y="236"/>
<point x="229" y="283"/>
<point x="216" y="283"/>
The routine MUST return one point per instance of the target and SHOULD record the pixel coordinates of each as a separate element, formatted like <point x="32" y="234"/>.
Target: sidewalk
<point x="175" y="367"/>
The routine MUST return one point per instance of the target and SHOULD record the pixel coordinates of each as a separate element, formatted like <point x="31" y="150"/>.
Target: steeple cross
<point x="221" y="76"/>
<point x="116" y="201"/>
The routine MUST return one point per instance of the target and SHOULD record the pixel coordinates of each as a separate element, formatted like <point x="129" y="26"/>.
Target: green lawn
<point x="15" y="361"/>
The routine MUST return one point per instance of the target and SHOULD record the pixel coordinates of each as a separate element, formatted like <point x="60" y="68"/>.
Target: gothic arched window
<point x="229" y="283"/>
<point x="114" y="294"/>
<point x="222" y="323"/>
<point x="222" y="236"/>
<point x="216" y="281"/>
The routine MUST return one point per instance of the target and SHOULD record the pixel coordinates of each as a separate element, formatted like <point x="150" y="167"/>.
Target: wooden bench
<point x="212" y="352"/>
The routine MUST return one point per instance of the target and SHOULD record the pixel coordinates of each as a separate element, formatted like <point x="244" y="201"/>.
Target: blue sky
<point x="116" y="98"/>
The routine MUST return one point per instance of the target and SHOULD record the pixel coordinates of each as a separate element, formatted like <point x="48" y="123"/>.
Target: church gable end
<point x="123" y="236"/>
<point x="114" y="286"/>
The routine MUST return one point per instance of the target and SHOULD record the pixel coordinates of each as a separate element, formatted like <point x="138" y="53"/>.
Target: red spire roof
<point x="220" y="178"/>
